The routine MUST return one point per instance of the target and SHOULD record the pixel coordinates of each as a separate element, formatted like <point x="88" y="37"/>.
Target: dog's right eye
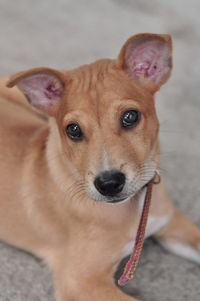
<point x="74" y="132"/>
<point x="130" y="118"/>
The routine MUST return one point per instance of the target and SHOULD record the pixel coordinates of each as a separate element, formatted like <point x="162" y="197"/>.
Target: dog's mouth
<point x="127" y="198"/>
<point x="156" y="180"/>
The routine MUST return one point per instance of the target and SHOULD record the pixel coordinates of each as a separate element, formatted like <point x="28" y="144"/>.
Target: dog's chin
<point x="120" y="200"/>
<point x="133" y="197"/>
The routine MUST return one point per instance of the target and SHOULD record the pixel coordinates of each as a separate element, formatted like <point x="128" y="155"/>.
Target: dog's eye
<point x="130" y="118"/>
<point x="74" y="132"/>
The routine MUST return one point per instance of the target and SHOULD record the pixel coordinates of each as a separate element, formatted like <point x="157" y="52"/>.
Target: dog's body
<point x="46" y="207"/>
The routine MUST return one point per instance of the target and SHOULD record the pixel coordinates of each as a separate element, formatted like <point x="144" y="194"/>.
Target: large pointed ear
<point x="148" y="59"/>
<point x="43" y="87"/>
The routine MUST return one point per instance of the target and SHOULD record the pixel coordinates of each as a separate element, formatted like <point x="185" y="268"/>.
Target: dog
<point x="75" y="160"/>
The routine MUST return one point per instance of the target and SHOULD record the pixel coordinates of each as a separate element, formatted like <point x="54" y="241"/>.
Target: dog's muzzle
<point x="110" y="185"/>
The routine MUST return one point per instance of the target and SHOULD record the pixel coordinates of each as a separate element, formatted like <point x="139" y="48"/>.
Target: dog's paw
<point x="196" y="244"/>
<point x="188" y="251"/>
<point x="193" y="250"/>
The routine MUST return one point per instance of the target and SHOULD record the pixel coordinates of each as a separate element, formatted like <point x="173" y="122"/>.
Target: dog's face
<point x="105" y="115"/>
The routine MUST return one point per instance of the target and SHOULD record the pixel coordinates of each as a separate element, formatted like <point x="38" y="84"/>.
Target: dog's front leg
<point x="179" y="235"/>
<point x="81" y="285"/>
<point x="95" y="289"/>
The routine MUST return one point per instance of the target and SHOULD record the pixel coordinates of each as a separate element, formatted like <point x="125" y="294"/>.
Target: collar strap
<point x="131" y="265"/>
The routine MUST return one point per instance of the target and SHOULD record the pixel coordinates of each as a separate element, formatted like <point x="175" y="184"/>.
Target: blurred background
<point x="64" y="34"/>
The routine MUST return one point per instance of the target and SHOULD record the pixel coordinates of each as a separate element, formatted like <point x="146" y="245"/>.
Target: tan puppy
<point x="72" y="187"/>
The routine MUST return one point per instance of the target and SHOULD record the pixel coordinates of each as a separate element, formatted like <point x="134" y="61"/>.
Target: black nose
<point x="109" y="183"/>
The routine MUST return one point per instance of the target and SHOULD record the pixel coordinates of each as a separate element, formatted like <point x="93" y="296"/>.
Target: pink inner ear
<point x="42" y="90"/>
<point x="148" y="59"/>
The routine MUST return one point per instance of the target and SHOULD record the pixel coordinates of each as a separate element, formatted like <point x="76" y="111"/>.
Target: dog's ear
<point x="43" y="87"/>
<point x="148" y="59"/>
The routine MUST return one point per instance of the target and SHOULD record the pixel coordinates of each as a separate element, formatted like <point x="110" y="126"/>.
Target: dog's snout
<point x="110" y="183"/>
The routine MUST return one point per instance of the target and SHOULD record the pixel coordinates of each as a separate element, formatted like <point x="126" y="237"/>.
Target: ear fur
<point x="148" y="59"/>
<point x="43" y="87"/>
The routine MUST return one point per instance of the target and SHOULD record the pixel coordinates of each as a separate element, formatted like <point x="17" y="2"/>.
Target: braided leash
<point x="131" y="265"/>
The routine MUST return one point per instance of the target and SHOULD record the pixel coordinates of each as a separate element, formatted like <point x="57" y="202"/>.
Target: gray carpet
<point x="66" y="33"/>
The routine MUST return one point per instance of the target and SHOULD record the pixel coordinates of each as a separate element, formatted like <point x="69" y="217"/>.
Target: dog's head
<point x="105" y="116"/>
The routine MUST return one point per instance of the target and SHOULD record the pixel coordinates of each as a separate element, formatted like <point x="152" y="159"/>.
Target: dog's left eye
<point x="130" y="118"/>
<point x="74" y="131"/>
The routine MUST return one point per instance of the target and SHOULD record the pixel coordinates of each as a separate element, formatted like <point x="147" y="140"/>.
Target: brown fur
<point x="44" y="206"/>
